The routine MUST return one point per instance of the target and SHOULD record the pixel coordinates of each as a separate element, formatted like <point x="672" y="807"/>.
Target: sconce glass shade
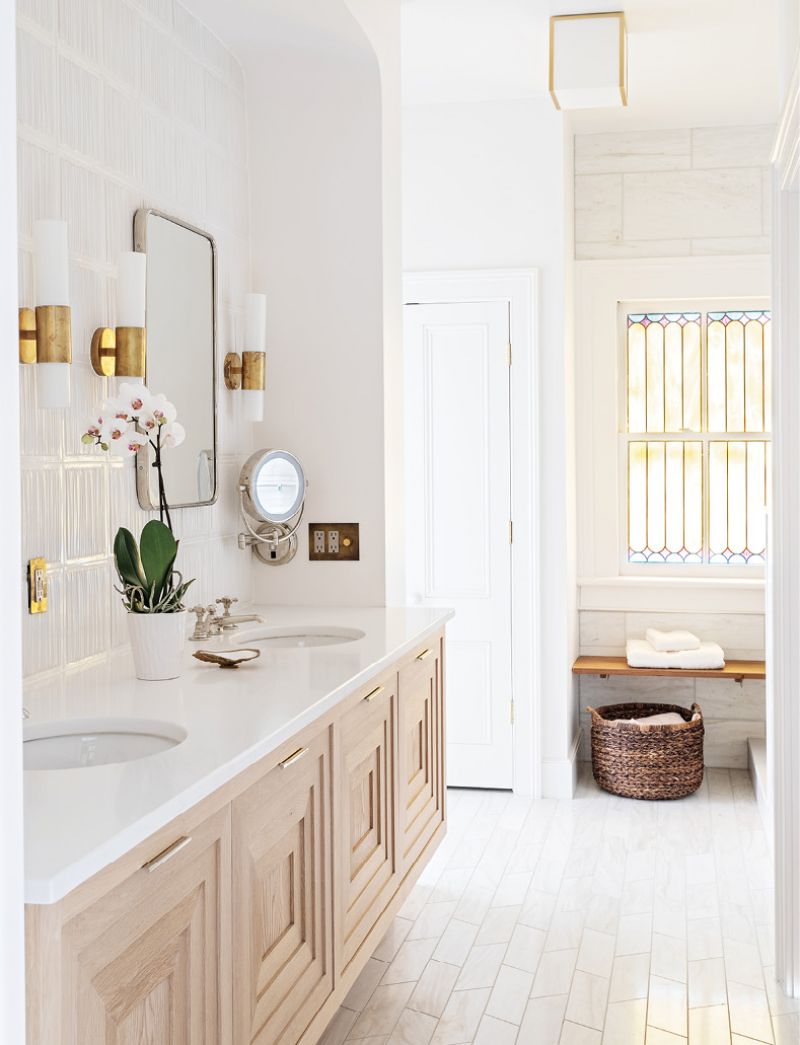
<point x="588" y="60"/>
<point x="53" y="386"/>
<point x="252" y="404"/>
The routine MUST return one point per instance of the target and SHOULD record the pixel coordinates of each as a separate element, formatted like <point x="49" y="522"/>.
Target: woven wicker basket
<point x="647" y="761"/>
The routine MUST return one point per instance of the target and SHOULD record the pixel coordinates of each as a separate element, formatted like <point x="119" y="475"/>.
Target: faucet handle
<point x="199" y="612"/>
<point x="226" y="601"/>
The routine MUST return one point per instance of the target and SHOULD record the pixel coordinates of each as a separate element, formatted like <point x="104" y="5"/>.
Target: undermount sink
<point x="83" y="743"/>
<point x="301" y="636"/>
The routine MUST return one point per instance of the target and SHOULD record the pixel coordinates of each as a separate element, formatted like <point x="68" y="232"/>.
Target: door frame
<point x="520" y="289"/>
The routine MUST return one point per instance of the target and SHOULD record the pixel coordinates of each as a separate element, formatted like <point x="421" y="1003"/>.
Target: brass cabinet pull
<point x="294" y="757"/>
<point x="425" y="653"/>
<point x="374" y="693"/>
<point x="167" y="854"/>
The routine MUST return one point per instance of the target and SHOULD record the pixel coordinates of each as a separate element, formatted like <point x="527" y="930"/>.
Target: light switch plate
<point x="37" y="586"/>
<point x="333" y="542"/>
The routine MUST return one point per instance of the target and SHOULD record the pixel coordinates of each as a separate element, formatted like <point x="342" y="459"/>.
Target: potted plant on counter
<point x="152" y="593"/>
<point x="152" y="589"/>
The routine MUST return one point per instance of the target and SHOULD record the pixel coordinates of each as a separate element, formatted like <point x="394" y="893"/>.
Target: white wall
<point x="487" y="186"/>
<point x="316" y="155"/>
<point x="12" y="985"/>
<point x="120" y="107"/>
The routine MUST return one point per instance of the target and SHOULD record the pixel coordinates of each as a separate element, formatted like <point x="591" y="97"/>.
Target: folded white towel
<point x="671" y="641"/>
<point x="666" y="718"/>
<point x="640" y="654"/>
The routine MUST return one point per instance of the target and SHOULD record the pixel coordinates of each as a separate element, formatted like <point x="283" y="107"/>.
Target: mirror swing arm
<point x="272" y="489"/>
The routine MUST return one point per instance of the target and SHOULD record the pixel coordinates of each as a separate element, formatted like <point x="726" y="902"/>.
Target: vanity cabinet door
<point x="282" y="931"/>
<point x="421" y="750"/>
<point x="149" y="961"/>
<point x="366" y="870"/>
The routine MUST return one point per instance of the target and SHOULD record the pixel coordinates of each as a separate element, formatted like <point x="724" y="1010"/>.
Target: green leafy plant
<point x="150" y="582"/>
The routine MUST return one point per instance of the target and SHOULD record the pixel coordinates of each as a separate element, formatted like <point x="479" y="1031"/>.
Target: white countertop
<point x="78" y="821"/>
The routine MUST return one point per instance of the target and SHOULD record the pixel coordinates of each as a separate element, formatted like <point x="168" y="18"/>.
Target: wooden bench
<point x="736" y="670"/>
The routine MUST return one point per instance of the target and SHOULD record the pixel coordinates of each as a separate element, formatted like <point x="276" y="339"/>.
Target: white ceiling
<point x="691" y="62"/>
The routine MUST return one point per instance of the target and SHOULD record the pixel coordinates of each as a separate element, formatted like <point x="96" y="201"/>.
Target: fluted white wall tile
<point x="123" y="134"/>
<point x="83" y="208"/>
<point x="161" y="10"/>
<point x="156" y="73"/>
<point x="189" y="30"/>
<point x="80" y="27"/>
<point x="42" y="12"/>
<point x="189" y="92"/>
<point x="195" y="563"/>
<point x="38" y="176"/>
<point x="87" y="594"/>
<point x="85" y="511"/>
<point x="217" y="123"/>
<point x="233" y="569"/>
<point x="692" y="204"/>
<point x="635" y="151"/>
<point x="43" y="633"/>
<point x="732" y="146"/>
<point x="225" y="513"/>
<point x="190" y="191"/>
<point x="158" y="156"/>
<point x="81" y="110"/>
<point x="92" y="150"/>
<point x="25" y="280"/>
<point x="36" y="84"/>
<point x="42" y="512"/>
<point x="121" y="42"/>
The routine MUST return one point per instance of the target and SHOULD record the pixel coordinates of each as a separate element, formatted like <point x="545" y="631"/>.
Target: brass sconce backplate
<point x="27" y="335"/>
<point x="254" y="370"/>
<point x="120" y="352"/>
<point x="45" y="334"/>
<point x="232" y="371"/>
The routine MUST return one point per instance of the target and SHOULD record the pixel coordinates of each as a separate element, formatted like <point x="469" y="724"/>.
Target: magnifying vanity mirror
<point x="272" y="489"/>
<point x="181" y="354"/>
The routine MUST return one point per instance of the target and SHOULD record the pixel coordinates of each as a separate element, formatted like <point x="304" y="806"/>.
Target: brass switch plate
<point x="333" y="542"/>
<point x="37" y="586"/>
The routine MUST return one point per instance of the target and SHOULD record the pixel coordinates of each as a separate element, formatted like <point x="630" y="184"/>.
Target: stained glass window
<point x="698" y="421"/>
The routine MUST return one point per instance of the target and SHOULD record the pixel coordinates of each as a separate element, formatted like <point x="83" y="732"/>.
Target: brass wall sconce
<point x="247" y="372"/>
<point x="121" y="351"/>
<point x="45" y="332"/>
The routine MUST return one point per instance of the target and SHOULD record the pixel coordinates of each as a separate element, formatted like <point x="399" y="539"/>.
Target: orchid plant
<point x="135" y="418"/>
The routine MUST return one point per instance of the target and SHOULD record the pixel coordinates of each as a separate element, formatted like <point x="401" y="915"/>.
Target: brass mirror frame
<point x="143" y="456"/>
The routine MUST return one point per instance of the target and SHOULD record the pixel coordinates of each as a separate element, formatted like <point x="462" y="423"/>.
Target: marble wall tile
<point x="692" y="204"/>
<point x="732" y="146"/>
<point x="636" y="151"/>
<point x="646" y="248"/>
<point x="601" y="631"/>
<point x="732" y="245"/>
<point x="720" y="698"/>
<point x="741" y="635"/>
<point x="725" y="744"/>
<point x="598" y="207"/>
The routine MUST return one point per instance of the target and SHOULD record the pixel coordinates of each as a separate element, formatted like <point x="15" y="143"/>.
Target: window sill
<point x="672" y="594"/>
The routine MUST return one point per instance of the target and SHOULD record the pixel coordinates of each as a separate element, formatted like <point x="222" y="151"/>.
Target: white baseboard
<point x="560" y="775"/>
<point x="757" y="764"/>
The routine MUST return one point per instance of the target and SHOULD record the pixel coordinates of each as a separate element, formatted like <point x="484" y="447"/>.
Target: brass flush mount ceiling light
<point x="589" y="60"/>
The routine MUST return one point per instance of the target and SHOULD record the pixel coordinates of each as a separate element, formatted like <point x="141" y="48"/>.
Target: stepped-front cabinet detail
<point x="246" y="920"/>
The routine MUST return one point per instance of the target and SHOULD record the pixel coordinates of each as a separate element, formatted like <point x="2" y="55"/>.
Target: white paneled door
<point x="458" y="523"/>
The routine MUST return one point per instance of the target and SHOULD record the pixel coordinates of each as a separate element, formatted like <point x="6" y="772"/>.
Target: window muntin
<point x="697" y="460"/>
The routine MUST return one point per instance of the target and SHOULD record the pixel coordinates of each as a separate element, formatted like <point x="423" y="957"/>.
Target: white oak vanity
<point x="246" y="917"/>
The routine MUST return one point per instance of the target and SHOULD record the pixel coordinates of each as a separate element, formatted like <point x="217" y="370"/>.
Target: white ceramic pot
<point x="158" y="641"/>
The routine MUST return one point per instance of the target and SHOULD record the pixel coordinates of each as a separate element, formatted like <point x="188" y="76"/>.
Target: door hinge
<point x="512" y="712"/>
<point x="509" y="353"/>
<point x="510" y="531"/>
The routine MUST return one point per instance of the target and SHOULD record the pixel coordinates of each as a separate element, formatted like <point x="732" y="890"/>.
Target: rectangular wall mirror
<point x="181" y="354"/>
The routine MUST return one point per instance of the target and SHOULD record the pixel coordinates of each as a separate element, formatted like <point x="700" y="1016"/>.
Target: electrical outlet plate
<point x="37" y="586"/>
<point x="333" y="542"/>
